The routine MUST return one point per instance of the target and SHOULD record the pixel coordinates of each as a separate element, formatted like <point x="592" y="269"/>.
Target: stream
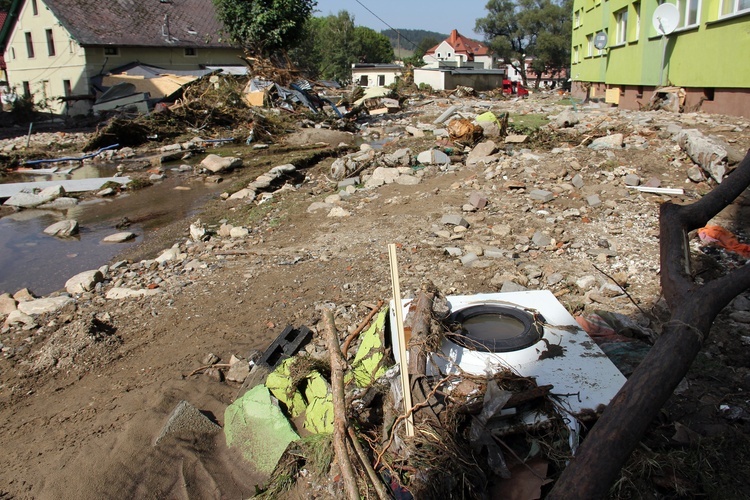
<point x="31" y="259"/>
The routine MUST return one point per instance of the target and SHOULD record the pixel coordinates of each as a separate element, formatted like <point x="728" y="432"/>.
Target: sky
<point x="434" y="15"/>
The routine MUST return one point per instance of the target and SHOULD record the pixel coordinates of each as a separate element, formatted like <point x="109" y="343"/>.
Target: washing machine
<point x="532" y="334"/>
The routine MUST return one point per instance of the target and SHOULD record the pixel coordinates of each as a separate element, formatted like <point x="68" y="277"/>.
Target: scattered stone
<point x="84" y="282"/>
<point x="454" y="220"/>
<point x="31" y="200"/>
<point x="119" y="237"/>
<point x="318" y="205"/>
<point x="593" y="200"/>
<point x="187" y="421"/>
<point x="414" y="131"/>
<point x="586" y="283"/>
<point x="23" y="295"/>
<point x="17" y="317"/>
<point x="7" y="304"/>
<point x="554" y="279"/>
<point x="433" y="157"/>
<point x="516" y="139"/>
<point x="61" y="203"/>
<point x="106" y="192"/>
<point x="541" y="195"/>
<point x="510" y="286"/>
<point x="238" y="232"/>
<point x="632" y="180"/>
<point x="738" y="316"/>
<point x="469" y="259"/>
<point x="501" y="230"/>
<point x="339" y="212"/>
<point x="695" y="174"/>
<point x="238" y="372"/>
<point x="407" y="180"/>
<point x="215" y="163"/>
<point x="567" y="118"/>
<point x="613" y="141"/>
<point x="540" y="239"/>
<point x="47" y="305"/>
<point x="577" y="181"/>
<point x="125" y="293"/>
<point x="171" y="254"/>
<point x="197" y="231"/>
<point x="477" y="200"/>
<point x="63" y="228"/>
<point x="453" y="251"/>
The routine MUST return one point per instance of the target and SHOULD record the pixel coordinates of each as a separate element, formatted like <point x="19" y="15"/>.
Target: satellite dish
<point x="666" y="18"/>
<point x="600" y="40"/>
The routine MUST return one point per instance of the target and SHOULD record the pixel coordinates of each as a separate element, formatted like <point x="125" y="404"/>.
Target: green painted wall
<point x="712" y="53"/>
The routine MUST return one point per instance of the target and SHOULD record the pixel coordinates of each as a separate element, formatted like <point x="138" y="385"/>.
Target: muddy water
<point x="31" y="259"/>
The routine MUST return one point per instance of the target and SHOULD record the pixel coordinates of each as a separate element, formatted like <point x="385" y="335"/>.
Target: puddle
<point x="29" y="258"/>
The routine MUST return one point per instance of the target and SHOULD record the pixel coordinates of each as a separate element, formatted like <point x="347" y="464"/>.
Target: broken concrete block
<point x="577" y="181"/>
<point x="477" y="200"/>
<point x="632" y="180"/>
<point x="540" y="239"/>
<point x="453" y="251"/>
<point x="541" y="195"/>
<point x="454" y="220"/>
<point x="446" y="114"/>
<point x="707" y="152"/>
<point x="258" y="429"/>
<point x="469" y="259"/>
<point x="481" y="150"/>
<point x="433" y="157"/>
<point x="187" y="419"/>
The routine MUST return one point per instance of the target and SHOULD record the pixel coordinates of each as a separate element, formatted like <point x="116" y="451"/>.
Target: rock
<point x="613" y="141"/>
<point x="47" y="305"/>
<point x="63" y="228"/>
<point x="540" y="239"/>
<point x="339" y="212"/>
<point x="469" y="259"/>
<point x="7" y="304"/>
<point x="318" y="205"/>
<point x="125" y="293"/>
<point x="31" y="200"/>
<point x="156" y="177"/>
<point x="454" y="220"/>
<point x="407" y="180"/>
<point x="577" y="181"/>
<point x="84" y="282"/>
<point x="433" y="157"/>
<point x="171" y="254"/>
<point x="481" y="150"/>
<point x="593" y="200"/>
<point x="246" y="194"/>
<point x="554" y="279"/>
<point x="567" y="118"/>
<point x="632" y="180"/>
<point x="283" y="170"/>
<point x="61" y="203"/>
<point x="119" y="237"/>
<point x="210" y="359"/>
<point x="23" y="295"/>
<point x="239" y="232"/>
<point x="516" y="139"/>
<point x="414" y="131"/>
<point x="501" y="230"/>
<point x="17" y="317"/>
<point x="707" y="152"/>
<point x="586" y="282"/>
<point x="351" y="181"/>
<point x="106" y="192"/>
<point x="738" y="316"/>
<point x="187" y="421"/>
<point x="386" y="174"/>
<point x="238" y="372"/>
<point x="216" y="163"/>
<point x="453" y="251"/>
<point x="197" y="231"/>
<point x="695" y="174"/>
<point x="541" y="195"/>
<point x="510" y="286"/>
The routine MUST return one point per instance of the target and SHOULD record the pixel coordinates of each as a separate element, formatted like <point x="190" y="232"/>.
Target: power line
<point x="383" y="21"/>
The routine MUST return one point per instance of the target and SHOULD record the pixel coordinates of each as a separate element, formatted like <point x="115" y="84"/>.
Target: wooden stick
<point x="399" y="310"/>
<point x="374" y="479"/>
<point x="359" y="329"/>
<point x="338" y="364"/>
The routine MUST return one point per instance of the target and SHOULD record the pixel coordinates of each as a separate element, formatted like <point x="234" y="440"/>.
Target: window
<point x="621" y="26"/>
<point x="363" y="81"/>
<point x="190" y="52"/>
<point x="637" y="9"/>
<point x="729" y="7"/>
<point x="590" y="45"/>
<point x="439" y="56"/>
<point x="13" y="52"/>
<point x="67" y="89"/>
<point x="381" y="80"/>
<point x="26" y="90"/>
<point x="449" y="55"/>
<point x="111" y="51"/>
<point x="50" y="43"/>
<point x="577" y="19"/>
<point x="29" y="45"/>
<point x="34" y="7"/>
<point x="689" y="12"/>
<point x="576" y="55"/>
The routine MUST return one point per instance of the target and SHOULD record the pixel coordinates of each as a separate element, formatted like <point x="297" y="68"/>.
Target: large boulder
<point x="216" y="163"/>
<point x="46" y="305"/>
<point x="84" y="282"/>
<point x="63" y="228"/>
<point x="30" y="200"/>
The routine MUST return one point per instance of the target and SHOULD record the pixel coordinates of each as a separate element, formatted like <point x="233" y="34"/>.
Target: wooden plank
<point x="401" y="338"/>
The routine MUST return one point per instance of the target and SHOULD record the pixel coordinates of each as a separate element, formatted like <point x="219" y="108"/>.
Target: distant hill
<point x="411" y="38"/>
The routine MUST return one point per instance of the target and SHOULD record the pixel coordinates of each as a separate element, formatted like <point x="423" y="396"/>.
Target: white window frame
<point x="577" y="19"/>
<point x="733" y="7"/>
<point x="576" y="55"/>
<point x="637" y="10"/>
<point x="684" y="7"/>
<point x="590" y="45"/>
<point x="621" y="26"/>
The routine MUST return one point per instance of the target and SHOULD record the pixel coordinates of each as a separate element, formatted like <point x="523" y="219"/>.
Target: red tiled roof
<point x="149" y="23"/>
<point x="463" y="45"/>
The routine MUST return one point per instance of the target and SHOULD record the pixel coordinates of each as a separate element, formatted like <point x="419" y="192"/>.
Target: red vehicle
<point x="510" y="88"/>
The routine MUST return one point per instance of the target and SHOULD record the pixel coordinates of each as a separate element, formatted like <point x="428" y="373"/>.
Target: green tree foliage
<point x="5" y="5"/>
<point x="412" y="39"/>
<point x="265" y="27"/>
<point x="424" y="45"/>
<point x="334" y="43"/>
<point x="518" y="28"/>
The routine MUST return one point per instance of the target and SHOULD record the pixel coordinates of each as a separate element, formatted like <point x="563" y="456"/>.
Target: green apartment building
<point x="707" y="54"/>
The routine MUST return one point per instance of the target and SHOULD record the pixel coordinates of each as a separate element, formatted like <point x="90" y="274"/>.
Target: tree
<point x="515" y="29"/>
<point x="424" y="45"/>
<point x="265" y="28"/>
<point x="334" y="43"/>
<point x="5" y="5"/>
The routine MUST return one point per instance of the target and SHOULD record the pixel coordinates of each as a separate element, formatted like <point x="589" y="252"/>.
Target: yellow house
<point x="55" y="49"/>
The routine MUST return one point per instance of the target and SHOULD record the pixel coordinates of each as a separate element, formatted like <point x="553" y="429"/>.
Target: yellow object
<point x="612" y="96"/>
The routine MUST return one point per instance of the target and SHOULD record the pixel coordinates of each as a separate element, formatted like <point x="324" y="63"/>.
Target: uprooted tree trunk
<point x="694" y="307"/>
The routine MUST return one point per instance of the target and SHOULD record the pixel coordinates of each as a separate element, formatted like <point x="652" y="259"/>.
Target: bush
<point x="22" y="110"/>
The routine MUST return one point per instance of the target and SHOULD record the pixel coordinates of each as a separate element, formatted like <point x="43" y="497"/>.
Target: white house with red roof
<point x="459" y="50"/>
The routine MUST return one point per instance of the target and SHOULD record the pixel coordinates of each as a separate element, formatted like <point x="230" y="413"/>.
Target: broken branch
<point x="362" y="326"/>
<point x="338" y="365"/>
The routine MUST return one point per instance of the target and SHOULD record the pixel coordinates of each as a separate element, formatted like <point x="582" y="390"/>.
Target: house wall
<point x="433" y="78"/>
<point x="479" y="82"/>
<point x="697" y="58"/>
<point x="372" y="75"/>
<point x="46" y="74"/>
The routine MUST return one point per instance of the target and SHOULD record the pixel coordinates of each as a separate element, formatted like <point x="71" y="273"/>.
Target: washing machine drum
<point x="495" y="328"/>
